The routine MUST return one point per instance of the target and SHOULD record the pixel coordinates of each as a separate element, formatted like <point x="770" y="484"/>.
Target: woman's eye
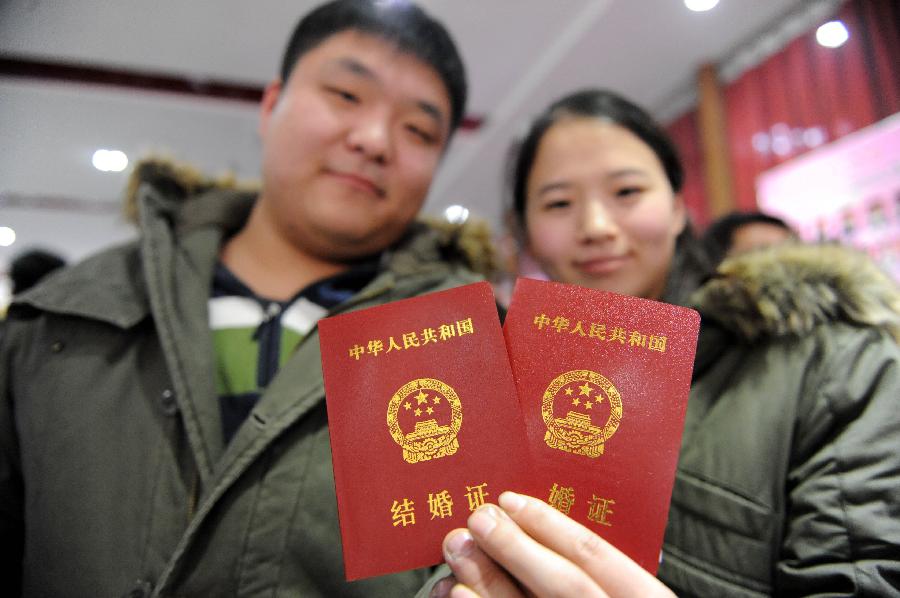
<point x="422" y="134"/>
<point x="557" y="204"/>
<point x="627" y="192"/>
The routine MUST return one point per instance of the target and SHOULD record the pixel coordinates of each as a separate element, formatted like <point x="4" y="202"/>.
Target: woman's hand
<point x="527" y="548"/>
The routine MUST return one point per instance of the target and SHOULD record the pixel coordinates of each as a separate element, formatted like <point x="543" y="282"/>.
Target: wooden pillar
<point x="719" y="184"/>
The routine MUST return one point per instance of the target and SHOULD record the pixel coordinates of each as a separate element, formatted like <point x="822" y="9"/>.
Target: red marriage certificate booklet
<point x="603" y="382"/>
<point x="424" y="423"/>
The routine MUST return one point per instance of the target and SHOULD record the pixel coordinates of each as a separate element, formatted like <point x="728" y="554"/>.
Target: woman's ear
<point x="679" y="214"/>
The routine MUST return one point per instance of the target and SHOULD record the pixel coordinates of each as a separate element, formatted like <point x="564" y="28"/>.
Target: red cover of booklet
<point x="424" y="423"/>
<point x="603" y="382"/>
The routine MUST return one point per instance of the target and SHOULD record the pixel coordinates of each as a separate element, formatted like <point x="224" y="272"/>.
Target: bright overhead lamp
<point x="109" y="160"/>
<point x="832" y="34"/>
<point x="7" y="236"/>
<point x="456" y="214"/>
<point x="701" y="5"/>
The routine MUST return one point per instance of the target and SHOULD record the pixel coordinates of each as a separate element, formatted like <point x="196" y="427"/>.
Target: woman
<point x="789" y="476"/>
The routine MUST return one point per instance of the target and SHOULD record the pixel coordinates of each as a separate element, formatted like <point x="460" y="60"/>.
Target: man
<point x="740" y="232"/>
<point x="141" y="452"/>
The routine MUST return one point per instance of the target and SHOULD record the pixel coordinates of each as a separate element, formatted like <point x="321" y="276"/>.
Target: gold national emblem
<point x="581" y="395"/>
<point x="426" y="437"/>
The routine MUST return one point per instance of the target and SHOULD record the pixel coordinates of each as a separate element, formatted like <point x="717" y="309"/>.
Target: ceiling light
<point x="456" y="214"/>
<point x="109" y="160"/>
<point x="701" y="5"/>
<point x="832" y="34"/>
<point x="7" y="236"/>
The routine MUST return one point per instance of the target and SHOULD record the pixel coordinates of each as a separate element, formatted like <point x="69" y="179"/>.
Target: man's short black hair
<point x="399" y="22"/>
<point x="719" y="235"/>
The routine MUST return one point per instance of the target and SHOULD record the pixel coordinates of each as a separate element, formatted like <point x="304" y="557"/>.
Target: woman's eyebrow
<point x="624" y="172"/>
<point x="553" y="186"/>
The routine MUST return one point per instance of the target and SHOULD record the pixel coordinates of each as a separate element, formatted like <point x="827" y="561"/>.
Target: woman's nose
<point x="596" y="221"/>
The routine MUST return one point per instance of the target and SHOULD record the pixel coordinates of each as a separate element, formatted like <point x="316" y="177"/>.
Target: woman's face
<point x="599" y="209"/>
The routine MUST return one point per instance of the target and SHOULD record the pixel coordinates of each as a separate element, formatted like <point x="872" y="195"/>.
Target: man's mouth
<point x="359" y="181"/>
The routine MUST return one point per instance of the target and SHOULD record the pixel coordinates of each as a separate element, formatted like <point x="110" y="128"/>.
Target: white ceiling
<point x="520" y="54"/>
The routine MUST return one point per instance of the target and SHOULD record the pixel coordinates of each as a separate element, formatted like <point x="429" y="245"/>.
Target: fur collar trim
<point x="789" y="289"/>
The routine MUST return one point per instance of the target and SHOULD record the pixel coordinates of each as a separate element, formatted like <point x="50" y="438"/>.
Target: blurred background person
<point x="738" y="232"/>
<point x="29" y="267"/>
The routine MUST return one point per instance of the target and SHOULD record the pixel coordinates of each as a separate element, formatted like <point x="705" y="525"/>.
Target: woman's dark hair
<point x="399" y="22"/>
<point x="689" y="267"/>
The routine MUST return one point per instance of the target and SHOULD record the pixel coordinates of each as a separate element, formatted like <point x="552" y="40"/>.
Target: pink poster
<point x="846" y="191"/>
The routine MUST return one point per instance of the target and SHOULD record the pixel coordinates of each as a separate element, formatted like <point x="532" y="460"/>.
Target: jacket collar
<point x="103" y="287"/>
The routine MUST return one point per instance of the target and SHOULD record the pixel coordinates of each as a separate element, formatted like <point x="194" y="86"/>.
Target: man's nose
<point x="371" y="135"/>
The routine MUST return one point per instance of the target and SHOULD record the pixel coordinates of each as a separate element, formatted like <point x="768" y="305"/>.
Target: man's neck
<point x="270" y="265"/>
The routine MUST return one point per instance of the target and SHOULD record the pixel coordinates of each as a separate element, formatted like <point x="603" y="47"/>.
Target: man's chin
<point x="349" y="246"/>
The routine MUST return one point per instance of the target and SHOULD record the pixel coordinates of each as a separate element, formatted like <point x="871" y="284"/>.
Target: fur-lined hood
<point x="469" y="243"/>
<point x="789" y="289"/>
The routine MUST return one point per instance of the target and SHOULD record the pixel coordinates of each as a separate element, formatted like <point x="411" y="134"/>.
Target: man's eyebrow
<point x="357" y="68"/>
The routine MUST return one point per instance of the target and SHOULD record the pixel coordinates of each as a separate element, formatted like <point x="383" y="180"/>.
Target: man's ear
<point x="267" y="105"/>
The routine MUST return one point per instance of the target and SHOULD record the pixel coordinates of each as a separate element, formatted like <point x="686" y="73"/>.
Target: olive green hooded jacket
<point x="114" y="478"/>
<point x="788" y="481"/>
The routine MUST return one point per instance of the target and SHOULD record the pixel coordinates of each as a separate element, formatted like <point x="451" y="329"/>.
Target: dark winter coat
<point x="788" y="481"/>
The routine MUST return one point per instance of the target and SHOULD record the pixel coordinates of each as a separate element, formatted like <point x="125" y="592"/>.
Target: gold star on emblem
<point x="406" y="405"/>
<point x="585" y="389"/>
<point x="421" y="397"/>
<point x="587" y="405"/>
<point x="418" y="412"/>
<point x="569" y="392"/>
<point x="576" y="401"/>
<point x="429" y="411"/>
<point x="437" y="399"/>
<point x="598" y="399"/>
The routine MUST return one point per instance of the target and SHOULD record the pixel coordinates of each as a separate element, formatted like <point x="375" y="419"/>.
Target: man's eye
<point x="343" y="94"/>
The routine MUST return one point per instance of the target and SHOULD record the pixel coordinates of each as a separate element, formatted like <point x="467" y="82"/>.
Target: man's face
<point x="351" y="142"/>
<point x="756" y="235"/>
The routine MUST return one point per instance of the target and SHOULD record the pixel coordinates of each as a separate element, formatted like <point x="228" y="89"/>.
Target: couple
<point x="163" y="427"/>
